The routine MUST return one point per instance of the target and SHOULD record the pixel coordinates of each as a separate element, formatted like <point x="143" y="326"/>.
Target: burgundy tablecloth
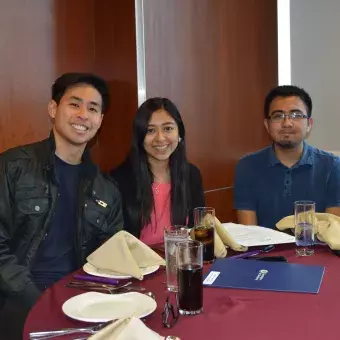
<point x="228" y="313"/>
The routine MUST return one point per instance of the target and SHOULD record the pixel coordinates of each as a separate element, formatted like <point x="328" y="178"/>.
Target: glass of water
<point x="173" y="235"/>
<point x="304" y="227"/>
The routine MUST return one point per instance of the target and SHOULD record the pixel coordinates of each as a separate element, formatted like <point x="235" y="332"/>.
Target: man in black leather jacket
<point x="55" y="205"/>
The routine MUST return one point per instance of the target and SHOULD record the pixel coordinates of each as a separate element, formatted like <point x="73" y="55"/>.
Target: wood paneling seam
<point x="218" y="189"/>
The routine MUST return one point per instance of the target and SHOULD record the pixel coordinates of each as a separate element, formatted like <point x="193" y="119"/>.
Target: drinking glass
<point x="189" y="277"/>
<point x="204" y="230"/>
<point x="304" y="227"/>
<point x="173" y="235"/>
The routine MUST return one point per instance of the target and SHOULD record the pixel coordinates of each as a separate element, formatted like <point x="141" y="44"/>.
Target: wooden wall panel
<point x="222" y="201"/>
<point x="74" y="36"/>
<point x="216" y="59"/>
<point x="116" y="62"/>
<point x="26" y="70"/>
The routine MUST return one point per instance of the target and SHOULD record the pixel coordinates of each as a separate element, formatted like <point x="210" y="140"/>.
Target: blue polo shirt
<point x="264" y="185"/>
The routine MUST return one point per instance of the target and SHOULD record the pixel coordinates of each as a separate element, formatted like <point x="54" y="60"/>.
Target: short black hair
<point x="288" y="91"/>
<point x="68" y="80"/>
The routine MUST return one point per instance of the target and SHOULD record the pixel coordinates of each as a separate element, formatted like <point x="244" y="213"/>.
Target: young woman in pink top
<point x="158" y="186"/>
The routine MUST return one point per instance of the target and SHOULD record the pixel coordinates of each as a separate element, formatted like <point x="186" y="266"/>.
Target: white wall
<point x="315" y="64"/>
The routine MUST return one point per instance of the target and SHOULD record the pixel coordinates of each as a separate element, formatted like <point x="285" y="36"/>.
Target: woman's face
<point x="162" y="136"/>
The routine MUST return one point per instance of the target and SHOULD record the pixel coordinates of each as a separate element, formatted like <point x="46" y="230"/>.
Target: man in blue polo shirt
<point x="269" y="181"/>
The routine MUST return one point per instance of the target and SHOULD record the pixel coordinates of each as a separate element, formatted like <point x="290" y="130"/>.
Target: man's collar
<point x="272" y="159"/>
<point x="306" y="159"/>
<point x="89" y="168"/>
<point x="307" y="156"/>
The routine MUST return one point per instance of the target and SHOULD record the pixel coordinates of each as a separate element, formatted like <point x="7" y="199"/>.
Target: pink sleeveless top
<point x="160" y="217"/>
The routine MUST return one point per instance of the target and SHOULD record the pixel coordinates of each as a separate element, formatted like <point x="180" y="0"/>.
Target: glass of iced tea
<point x="190" y="277"/>
<point x="204" y="230"/>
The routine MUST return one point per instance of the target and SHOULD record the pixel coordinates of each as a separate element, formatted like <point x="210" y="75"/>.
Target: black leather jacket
<point x="28" y="194"/>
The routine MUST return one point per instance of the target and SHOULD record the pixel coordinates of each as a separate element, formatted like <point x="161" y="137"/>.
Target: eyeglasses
<point x="169" y="315"/>
<point x="279" y="117"/>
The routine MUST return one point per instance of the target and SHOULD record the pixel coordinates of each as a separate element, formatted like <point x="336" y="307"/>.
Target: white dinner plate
<point x="100" y="307"/>
<point x="89" y="269"/>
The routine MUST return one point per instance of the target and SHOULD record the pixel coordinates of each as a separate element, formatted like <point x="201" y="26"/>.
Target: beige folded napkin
<point x="327" y="228"/>
<point x="221" y="237"/>
<point x="127" y="329"/>
<point x="124" y="254"/>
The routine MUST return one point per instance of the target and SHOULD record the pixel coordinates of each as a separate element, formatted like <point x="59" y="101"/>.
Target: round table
<point x="228" y="313"/>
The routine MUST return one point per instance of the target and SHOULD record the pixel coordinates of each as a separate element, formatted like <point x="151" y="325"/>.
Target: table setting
<point x="110" y="293"/>
<point x="118" y="294"/>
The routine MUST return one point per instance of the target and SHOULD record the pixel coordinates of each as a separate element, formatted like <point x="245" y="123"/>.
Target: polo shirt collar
<point x="306" y="159"/>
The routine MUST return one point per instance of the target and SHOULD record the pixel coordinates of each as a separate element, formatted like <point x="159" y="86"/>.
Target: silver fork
<point x="96" y="286"/>
<point x="66" y="331"/>
<point x="111" y="289"/>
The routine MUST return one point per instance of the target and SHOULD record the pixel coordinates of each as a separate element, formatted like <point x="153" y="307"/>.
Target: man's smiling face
<point x="78" y="116"/>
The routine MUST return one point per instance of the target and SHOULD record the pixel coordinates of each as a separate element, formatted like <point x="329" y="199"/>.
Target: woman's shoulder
<point x="194" y="173"/>
<point x="196" y="187"/>
<point x="194" y="170"/>
<point x="123" y="172"/>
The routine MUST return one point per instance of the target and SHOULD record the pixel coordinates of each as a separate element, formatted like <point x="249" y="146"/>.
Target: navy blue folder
<point x="262" y="275"/>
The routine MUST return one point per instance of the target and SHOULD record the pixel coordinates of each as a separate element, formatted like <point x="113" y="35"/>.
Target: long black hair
<point x="140" y="212"/>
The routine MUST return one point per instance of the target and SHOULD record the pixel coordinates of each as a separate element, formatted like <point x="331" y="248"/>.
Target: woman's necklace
<point x="158" y="181"/>
<point x="165" y="206"/>
<point x="157" y="187"/>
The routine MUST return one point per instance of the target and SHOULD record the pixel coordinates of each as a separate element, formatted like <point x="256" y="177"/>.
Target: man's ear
<point x="310" y="124"/>
<point x="101" y="120"/>
<point x="52" y="108"/>
<point x="265" y="122"/>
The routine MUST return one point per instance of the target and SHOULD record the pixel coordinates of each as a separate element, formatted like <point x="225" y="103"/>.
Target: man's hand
<point x="246" y="217"/>
<point x="333" y="210"/>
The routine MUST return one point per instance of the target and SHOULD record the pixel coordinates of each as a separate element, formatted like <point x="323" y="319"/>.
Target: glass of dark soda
<point x="190" y="277"/>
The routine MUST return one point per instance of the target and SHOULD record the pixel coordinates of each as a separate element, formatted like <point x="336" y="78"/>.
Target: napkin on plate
<point x="124" y="254"/>
<point x="327" y="228"/>
<point x="126" y="329"/>
<point x="222" y="238"/>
